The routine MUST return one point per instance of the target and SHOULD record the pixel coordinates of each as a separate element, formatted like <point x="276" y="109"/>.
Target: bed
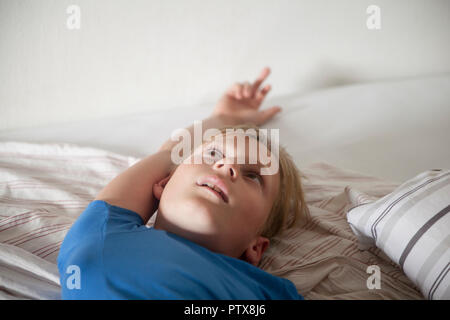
<point x="363" y="139"/>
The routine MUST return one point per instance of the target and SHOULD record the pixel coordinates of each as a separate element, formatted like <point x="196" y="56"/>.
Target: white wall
<point x="133" y="56"/>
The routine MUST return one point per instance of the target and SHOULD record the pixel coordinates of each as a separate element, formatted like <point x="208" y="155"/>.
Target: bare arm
<point x="133" y="188"/>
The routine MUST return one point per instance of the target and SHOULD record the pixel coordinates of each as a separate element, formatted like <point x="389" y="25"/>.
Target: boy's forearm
<point x="133" y="188"/>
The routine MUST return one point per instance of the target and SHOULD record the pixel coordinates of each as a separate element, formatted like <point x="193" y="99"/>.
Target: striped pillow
<point x="412" y="226"/>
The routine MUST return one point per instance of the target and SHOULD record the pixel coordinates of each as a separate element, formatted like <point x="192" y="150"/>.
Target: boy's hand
<point x="241" y="102"/>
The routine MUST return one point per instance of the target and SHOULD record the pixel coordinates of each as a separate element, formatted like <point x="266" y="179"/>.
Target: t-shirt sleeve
<point x="100" y="215"/>
<point x="98" y="218"/>
<point x="120" y="219"/>
<point x="83" y="244"/>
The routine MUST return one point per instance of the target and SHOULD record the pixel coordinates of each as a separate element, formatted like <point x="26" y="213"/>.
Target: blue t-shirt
<point x="110" y="254"/>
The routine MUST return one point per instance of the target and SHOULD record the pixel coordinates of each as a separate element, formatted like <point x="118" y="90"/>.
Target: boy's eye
<point x="214" y="153"/>
<point x="255" y="176"/>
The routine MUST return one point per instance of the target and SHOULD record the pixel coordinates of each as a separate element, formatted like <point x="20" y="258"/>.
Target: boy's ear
<point x="254" y="252"/>
<point x="160" y="185"/>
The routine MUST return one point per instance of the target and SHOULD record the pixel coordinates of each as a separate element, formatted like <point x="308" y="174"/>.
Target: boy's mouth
<point x="214" y="184"/>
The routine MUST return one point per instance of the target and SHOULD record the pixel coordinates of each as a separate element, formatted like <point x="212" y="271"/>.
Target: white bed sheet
<point x="45" y="187"/>
<point x="392" y="129"/>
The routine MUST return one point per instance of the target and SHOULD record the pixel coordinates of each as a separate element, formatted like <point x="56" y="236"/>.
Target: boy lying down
<point x="215" y="217"/>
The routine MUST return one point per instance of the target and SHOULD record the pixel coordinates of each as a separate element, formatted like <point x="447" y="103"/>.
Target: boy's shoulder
<point x="112" y="246"/>
<point x="190" y="271"/>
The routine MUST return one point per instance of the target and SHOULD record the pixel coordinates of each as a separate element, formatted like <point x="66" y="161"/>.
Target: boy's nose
<point x="229" y="169"/>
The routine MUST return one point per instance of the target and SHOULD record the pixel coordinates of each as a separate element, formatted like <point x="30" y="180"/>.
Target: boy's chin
<point x="199" y="217"/>
<point x="200" y="232"/>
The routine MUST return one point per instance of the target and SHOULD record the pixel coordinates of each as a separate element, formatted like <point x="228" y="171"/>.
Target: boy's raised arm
<point x="132" y="189"/>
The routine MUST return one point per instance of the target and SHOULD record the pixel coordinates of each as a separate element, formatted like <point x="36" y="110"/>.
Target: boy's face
<point x="224" y="224"/>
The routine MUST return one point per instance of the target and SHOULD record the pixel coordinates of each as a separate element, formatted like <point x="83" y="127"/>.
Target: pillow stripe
<point x="406" y="208"/>
<point x="430" y="261"/>
<point x="446" y="293"/>
<point x="438" y="281"/>
<point x="363" y="220"/>
<point x="420" y="233"/>
<point x="388" y="209"/>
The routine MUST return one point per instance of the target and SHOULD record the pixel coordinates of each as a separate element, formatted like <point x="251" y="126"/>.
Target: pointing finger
<point x="262" y="76"/>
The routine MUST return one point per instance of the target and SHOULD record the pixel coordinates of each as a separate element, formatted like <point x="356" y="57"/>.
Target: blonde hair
<point x="289" y="208"/>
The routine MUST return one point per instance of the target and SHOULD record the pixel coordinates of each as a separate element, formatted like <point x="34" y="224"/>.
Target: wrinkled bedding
<point x="44" y="187"/>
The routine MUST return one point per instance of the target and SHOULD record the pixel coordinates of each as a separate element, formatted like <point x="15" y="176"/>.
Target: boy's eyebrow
<point x="259" y="164"/>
